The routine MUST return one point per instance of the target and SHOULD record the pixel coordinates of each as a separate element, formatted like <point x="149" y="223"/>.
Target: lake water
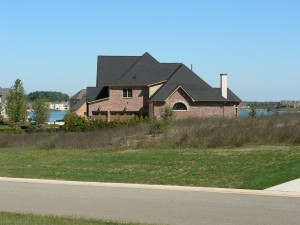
<point x="54" y="115"/>
<point x="263" y="112"/>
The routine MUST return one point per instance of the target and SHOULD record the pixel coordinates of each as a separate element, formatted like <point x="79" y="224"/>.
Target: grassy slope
<point x="29" y="219"/>
<point x="255" y="168"/>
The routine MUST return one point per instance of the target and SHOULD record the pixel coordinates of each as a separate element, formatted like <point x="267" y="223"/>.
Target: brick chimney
<point x="223" y="78"/>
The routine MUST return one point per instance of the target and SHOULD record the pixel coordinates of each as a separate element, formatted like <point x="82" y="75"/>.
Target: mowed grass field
<point x="29" y="219"/>
<point x="256" y="167"/>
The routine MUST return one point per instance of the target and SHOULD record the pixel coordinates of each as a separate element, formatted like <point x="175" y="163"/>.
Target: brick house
<point x="140" y="85"/>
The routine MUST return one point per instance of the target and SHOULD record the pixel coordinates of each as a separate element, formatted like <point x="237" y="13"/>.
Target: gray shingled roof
<point x="111" y="68"/>
<point x="230" y="95"/>
<point x="79" y="94"/>
<point x="143" y="74"/>
<point x="132" y="70"/>
<point x="78" y="104"/>
<point x="145" y="70"/>
<point x="198" y="89"/>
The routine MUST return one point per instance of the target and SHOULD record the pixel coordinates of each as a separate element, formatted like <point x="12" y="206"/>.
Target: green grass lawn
<point x="29" y="219"/>
<point x="250" y="168"/>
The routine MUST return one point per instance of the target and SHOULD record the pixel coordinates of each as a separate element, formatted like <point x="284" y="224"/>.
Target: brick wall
<point x="82" y="110"/>
<point x="138" y="103"/>
<point x="116" y="102"/>
<point x="195" y="109"/>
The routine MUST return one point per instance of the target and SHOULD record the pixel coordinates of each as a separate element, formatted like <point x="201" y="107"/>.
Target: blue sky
<point x="53" y="45"/>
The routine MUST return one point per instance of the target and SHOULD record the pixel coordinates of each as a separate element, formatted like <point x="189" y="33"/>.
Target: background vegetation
<point x="50" y="96"/>
<point x="262" y="105"/>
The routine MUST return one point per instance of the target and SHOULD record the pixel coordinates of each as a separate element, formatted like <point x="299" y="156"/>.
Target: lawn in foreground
<point x="256" y="167"/>
<point x="29" y="219"/>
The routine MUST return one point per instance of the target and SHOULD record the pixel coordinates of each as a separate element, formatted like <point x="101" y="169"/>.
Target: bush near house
<point x="73" y="123"/>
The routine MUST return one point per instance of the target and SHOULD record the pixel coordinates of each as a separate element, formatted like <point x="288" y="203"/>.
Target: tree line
<point x="261" y="105"/>
<point x="50" y="96"/>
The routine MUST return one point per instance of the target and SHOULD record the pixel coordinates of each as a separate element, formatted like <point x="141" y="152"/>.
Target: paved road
<point x="149" y="205"/>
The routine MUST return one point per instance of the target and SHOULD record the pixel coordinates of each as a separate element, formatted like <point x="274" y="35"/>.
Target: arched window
<point x="179" y="106"/>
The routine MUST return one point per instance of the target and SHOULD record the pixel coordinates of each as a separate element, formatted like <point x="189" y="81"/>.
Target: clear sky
<point x="52" y="45"/>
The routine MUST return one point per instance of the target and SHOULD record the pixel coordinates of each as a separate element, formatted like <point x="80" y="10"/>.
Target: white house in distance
<point x="3" y="95"/>
<point x="60" y="106"/>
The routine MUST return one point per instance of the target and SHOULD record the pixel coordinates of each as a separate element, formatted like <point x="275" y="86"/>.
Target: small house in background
<point x="60" y="106"/>
<point x="140" y="85"/>
<point x="288" y="104"/>
<point x="3" y="95"/>
<point x="78" y="103"/>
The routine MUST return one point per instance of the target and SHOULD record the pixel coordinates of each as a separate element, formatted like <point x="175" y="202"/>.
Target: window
<point x="127" y="92"/>
<point x="179" y="106"/>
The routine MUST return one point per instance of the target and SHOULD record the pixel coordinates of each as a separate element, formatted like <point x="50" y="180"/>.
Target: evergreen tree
<point x="41" y="111"/>
<point x="16" y="103"/>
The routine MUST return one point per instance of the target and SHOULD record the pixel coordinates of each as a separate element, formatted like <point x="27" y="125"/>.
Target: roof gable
<point x="192" y="84"/>
<point x="180" y="89"/>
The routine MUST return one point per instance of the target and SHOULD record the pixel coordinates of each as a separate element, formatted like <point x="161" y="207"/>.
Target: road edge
<point x="153" y="187"/>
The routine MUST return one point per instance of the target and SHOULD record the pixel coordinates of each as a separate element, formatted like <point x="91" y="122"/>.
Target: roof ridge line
<point x="175" y="71"/>
<point x="130" y="67"/>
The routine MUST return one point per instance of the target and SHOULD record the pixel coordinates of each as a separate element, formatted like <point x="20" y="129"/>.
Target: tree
<point x="50" y="96"/>
<point x="16" y="103"/>
<point x="1" y="110"/>
<point x="252" y="113"/>
<point x="41" y="111"/>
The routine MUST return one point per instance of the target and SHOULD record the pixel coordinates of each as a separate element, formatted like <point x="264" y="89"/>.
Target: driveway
<point x="290" y="186"/>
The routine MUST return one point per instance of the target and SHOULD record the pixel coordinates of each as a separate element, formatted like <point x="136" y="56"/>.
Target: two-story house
<point x="140" y="85"/>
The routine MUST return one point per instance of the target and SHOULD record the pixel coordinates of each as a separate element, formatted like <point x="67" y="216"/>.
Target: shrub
<point x="187" y="133"/>
<point x="252" y="113"/>
<point x="157" y="127"/>
<point x="73" y="122"/>
<point x="168" y="114"/>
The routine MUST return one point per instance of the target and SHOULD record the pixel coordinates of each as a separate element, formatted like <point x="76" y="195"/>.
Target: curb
<point x="154" y="187"/>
